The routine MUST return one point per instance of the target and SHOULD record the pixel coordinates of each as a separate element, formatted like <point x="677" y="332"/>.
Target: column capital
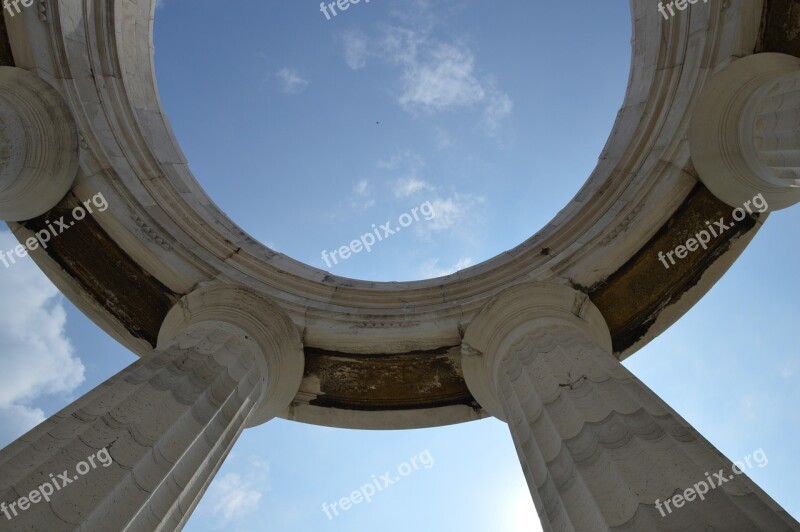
<point x="273" y="337"/>
<point x="599" y="450"/>
<point x="166" y="422"/>
<point x="38" y="146"/>
<point x="512" y="315"/>
<point x="743" y="136"/>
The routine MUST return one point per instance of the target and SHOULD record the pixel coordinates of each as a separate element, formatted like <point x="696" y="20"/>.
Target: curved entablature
<point x="168" y="237"/>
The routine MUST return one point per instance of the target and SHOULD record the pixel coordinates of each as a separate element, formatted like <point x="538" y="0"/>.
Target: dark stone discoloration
<point x="780" y="30"/>
<point x="88" y="255"/>
<point x="632" y="298"/>
<point x="6" y="58"/>
<point x="422" y="379"/>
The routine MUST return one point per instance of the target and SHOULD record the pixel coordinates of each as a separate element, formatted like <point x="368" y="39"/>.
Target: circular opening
<point x="392" y="142"/>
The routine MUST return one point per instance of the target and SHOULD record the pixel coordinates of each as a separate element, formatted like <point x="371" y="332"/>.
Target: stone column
<point x="745" y="131"/>
<point x="38" y="146"/>
<point x="226" y="359"/>
<point x="599" y="450"/>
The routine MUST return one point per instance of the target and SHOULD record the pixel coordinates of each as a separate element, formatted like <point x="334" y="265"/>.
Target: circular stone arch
<point x="377" y="355"/>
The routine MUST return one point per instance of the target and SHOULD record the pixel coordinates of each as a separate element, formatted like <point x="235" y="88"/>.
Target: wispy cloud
<point x="749" y="405"/>
<point x="435" y="76"/>
<point x="441" y="80"/>
<point x="404" y="188"/>
<point x="452" y="211"/>
<point x="38" y="358"/>
<point x="406" y="174"/>
<point x="498" y="108"/>
<point x="362" y="187"/>
<point x="234" y="496"/>
<point x="431" y="269"/>
<point x="364" y="198"/>
<point x="409" y="166"/>
<point x="355" y="49"/>
<point x="291" y="82"/>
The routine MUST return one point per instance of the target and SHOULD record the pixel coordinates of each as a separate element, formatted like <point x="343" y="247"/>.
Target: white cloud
<point x="362" y="187"/>
<point x="431" y="269"/>
<point x="364" y="199"/>
<point x="443" y="80"/>
<point x="451" y="211"/>
<point x="498" y="108"/>
<point x="406" y="187"/>
<point x="233" y="496"/>
<point x="291" y="82"/>
<point x="38" y="358"/>
<point x="401" y="45"/>
<point x="355" y="50"/>
<point x="409" y="166"/>
<point x="16" y="420"/>
<point x="457" y="210"/>
<point x="749" y="404"/>
<point x="441" y="76"/>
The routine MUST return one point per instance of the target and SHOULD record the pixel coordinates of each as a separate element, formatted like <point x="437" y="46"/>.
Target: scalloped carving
<point x="149" y="233"/>
<point x="41" y="10"/>
<point x="622" y="227"/>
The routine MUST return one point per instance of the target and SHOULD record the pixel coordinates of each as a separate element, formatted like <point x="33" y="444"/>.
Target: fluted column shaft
<point x="600" y="450"/>
<point x="167" y="422"/>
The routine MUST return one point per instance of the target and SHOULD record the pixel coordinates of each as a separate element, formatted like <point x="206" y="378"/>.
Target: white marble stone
<point x="745" y="136"/>
<point x="168" y="421"/>
<point x="226" y="359"/>
<point x="38" y="145"/>
<point x="598" y="448"/>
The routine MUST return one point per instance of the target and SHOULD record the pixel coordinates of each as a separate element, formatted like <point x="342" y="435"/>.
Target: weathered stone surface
<point x="595" y="444"/>
<point x="634" y="296"/>
<point x="386" y="382"/>
<point x="106" y="273"/>
<point x="600" y="450"/>
<point x="640" y="196"/>
<point x="167" y="422"/>
<point x="780" y="28"/>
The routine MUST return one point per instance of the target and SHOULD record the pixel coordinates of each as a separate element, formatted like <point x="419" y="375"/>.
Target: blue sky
<point x="493" y="113"/>
<point x="294" y="116"/>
